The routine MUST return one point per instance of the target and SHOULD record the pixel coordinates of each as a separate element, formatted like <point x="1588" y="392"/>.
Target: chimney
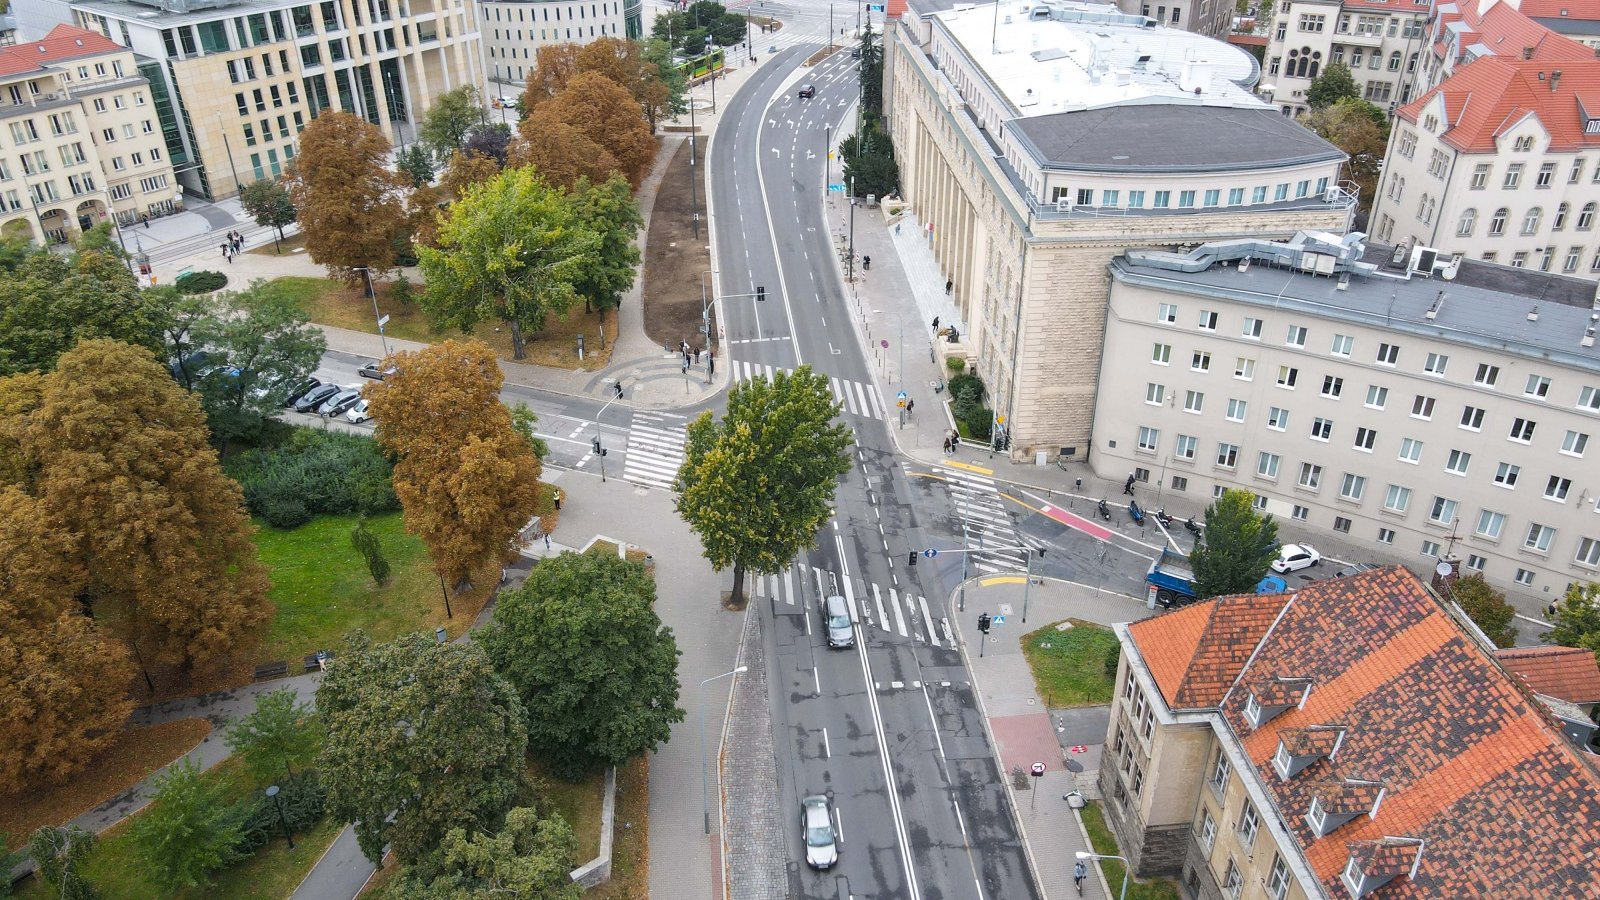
<point x="1445" y="575"/>
<point x="1527" y="53"/>
<point x="1555" y="80"/>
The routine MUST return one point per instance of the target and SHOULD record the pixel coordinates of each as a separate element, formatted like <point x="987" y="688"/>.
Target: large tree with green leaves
<point x="531" y="857"/>
<point x="671" y="95"/>
<point x="512" y="250"/>
<point x="1334" y="84"/>
<point x="351" y="204"/>
<point x="1359" y="129"/>
<point x="279" y="734"/>
<point x="422" y="738"/>
<point x="60" y="855"/>
<point x="1487" y="608"/>
<point x="757" y="485"/>
<point x="451" y="118"/>
<point x="596" y="669"/>
<point x="609" y="210"/>
<point x="1237" y="548"/>
<point x="261" y="342"/>
<point x="49" y="303"/>
<point x="268" y="202"/>
<point x="1577" y="619"/>
<point x="189" y="831"/>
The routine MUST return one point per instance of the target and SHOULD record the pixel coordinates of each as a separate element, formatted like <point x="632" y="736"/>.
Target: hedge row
<point x="315" y="472"/>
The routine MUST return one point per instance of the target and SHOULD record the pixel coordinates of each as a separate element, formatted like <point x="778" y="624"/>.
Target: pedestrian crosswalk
<point x="987" y="523"/>
<point x="854" y="398"/>
<point x="800" y="588"/>
<point x="655" y="450"/>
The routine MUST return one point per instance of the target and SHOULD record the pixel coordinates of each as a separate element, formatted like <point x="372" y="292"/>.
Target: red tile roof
<point x="64" y="42"/>
<point x="1566" y="673"/>
<point x="1486" y="97"/>
<point x="1467" y="761"/>
<point x="1581" y="10"/>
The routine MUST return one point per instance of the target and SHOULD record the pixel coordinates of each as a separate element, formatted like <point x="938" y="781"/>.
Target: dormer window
<point x="1353" y="879"/>
<point x="1282" y="761"/>
<point x="1300" y="747"/>
<point x="1335" y="803"/>
<point x="1274" y="696"/>
<point x="1373" y="864"/>
<point x="1252" y="711"/>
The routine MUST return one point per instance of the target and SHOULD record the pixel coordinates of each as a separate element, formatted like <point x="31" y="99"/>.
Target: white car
<point x="358" y="413"/>
<point x="1294" y="557"/>
<point x="816" y="822"/>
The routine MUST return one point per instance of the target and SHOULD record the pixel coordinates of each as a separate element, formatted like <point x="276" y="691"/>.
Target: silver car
<point x="836" y="617"/>
<point x="816" y="823"/>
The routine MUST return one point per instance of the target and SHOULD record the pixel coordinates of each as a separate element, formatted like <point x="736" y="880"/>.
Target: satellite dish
<point x="1444" y="569"/>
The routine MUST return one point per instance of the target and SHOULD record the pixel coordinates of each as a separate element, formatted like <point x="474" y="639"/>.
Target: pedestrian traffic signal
<point x="596" y="445"/>
<point x="983" y="622"/>
<point x="912" y="559"/>
<point x="761" y="293"/>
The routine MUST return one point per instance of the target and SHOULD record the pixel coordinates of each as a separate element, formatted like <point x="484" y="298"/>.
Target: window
<point x="1194" y="401"/>
<point x="1321" y="429"/>
<point x="1472" y="418"/>
<point x="1287" y="376"/>
<point x="1476" y="562"/>
<point x="1342" y="345"/>
<point x="1422" y="408"/>
<point x="1530" y="222"/>
<point x="1480" y="176"/>
<point x="1506" y="475"/>
<point x="1588" y="552"/>
<point x="1365" y="438"/>
<point x="1277" y="418"/>
<point x="1522" y="430"/>
<point x="1388" y="354"/>
<point x="1490" y="524"/>
<point x="1300" y="513"/>
<point x="1208" y="321"/>
<point x="1148" y="438"/>
<point x="1220" y="771"/>
<point x="1410" y="450"/>
<point x="1386" y="536"/>
<point x="1525" y="577"/>
<point x="1161" y="354"/>
<point x="1236" y="410"/>
<point x="1244" y="369"/>
<point x="1332" y="387"/>
<point x="1435" y="364"/>
<point x="1186" y="199"/>
<point x="1167" y="312"/>
<point x="1397" y="498"/>
<point x="1538" y="387"/>
<point x="1547" y="172"/>
<point x="1155" y="394"/>
<point x="1586" y="215"/>
<point x="1458" y="462"/>
<point x="1163" y="199"/>
<point x="1574" y="442"/>
<point x="1267" y="464"/>
<point x="1213" y="197"/>
<point x="1557" y="488"/>
<point x="1574" y="256"/>
<point x="1352" y="487"/>
<point x="1180" y="483"/>
<point x="1249" y="823"/>
<point x="1236" y="197"/>
<point x="1486" y="376"/>
<point x="1296" y="336"/>
<point x="1539" y="537"/>
<point x="1259" y="194"/>
<point x="1467" y="222"/>
<point x="1377" y="397"/>
<point x="1184" y="448"/>
<point x="1208" y="830"/>
<point x="1227" y="455"/>
<point x="1443" y="512"/>
<point x="1430" y="548"/>
<point x="1560" y="221"/>
<point x="1497" y="222"/>
<point x="1201" y="361"/>
<point x="1252" y="328"/>
<point x="1589" y="398"/>
<point x="1513" y="176"/>
<point x="1310" y="476"/>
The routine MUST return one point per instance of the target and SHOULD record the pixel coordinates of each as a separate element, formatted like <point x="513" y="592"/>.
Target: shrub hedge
<point x="314" y="472"/>
<point x="202" y="282"/>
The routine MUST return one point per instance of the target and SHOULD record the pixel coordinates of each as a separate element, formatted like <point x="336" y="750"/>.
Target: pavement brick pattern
<point x="752" y="811"/>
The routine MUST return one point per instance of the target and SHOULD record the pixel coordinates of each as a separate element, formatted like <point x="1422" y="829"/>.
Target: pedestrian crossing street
<point x="655" y="450"/>
<point x="800" y="589"/>
<point x="978" y="505"/>
<point x="855" y="398"/>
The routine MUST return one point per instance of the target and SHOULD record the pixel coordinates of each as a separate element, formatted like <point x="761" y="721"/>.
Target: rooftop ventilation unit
<point x="1423" y="260"/>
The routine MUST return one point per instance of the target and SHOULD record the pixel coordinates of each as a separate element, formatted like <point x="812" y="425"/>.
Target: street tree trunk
<point x="518" y="348"/>
<point x="736" y="596"/>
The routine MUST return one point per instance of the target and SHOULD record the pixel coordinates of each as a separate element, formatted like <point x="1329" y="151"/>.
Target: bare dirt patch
<point x="674" y="257"/>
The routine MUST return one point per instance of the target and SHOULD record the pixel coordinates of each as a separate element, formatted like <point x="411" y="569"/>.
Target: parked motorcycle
<point x="1105" y="511"/>
<point x="1135" y="512"/>
<point x="1195" y="528"/>
<point x="1163" y="518"/>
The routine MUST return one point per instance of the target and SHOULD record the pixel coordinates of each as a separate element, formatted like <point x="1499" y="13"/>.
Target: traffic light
<point x="912" y="561"/>
<point x="761" y="293"/>
<point x="597" y="446"/>
<point x="983" y="622"/>
<point x="1041" y="552"/>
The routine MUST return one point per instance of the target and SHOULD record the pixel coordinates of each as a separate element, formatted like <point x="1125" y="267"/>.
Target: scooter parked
<point x="1195" y="528"/>
<point x="1105" y="511"/>
<point x="1163" y="518"/>
<point x="1135" y="512"/>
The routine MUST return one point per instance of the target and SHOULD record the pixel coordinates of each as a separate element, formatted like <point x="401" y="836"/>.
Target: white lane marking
<point x="777" y="255"/>
<point x="849" y="588"/>
<point x="899" y="618"/>
<point x="827" y="748"/>
<point x="928" y="621"/>
<point x="877" y="599"/>
<point x="878" y="732"/>
<point x="816" y="676"/>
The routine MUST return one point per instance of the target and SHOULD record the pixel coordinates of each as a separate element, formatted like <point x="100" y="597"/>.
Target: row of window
<point x="494" y="10"/>
<point x="1187" y="199"/>
<point x="260" y="99"/>
<point x="1246" y="827"/>
<point x="551" y="34"/>
<point x="1530" y="221"/>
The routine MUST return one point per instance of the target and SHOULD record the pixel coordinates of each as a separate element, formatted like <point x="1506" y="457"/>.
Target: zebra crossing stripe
<point x="928" y="621"/>
<point x="850" y="598"/>
<point x="899" y="619"/>
<point x="877" y="600"/>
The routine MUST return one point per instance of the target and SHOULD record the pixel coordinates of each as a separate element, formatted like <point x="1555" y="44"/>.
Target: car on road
<point x="300" y="389"/>
<point x="836" y="618"/>
<point x="358" y="413"/>
<point x="807" y="91"/>
<point x="340" y="403"/>
<point x="310" y="400"/>
<point x="816" y="823"/>
<point x="1294" y="557"/>
<point x="374" y="370"/>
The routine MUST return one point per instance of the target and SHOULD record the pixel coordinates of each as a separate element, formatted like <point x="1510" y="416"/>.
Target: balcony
<point x="1354" y="38"/>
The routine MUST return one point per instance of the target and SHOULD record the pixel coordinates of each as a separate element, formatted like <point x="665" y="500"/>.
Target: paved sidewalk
<point x="1023" y="730"/>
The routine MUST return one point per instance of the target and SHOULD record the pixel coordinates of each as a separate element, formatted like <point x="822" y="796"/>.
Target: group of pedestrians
<point x="952" y="440"/>
<point x="232" y="246"/>
<point x="691" y="356"/>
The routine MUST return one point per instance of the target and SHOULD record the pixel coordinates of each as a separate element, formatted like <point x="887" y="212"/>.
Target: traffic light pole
<point x="1027" y="586"/>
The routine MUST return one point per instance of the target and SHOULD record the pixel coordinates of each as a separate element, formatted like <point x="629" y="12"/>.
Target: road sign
<point x="901" y="395"/>
<point x="835" y="188"/>
<point x="931" y="552"/>
<point x="383" y="321"/>
<point x="997" y="620"/>
<point x="1036" y="770"/>
<point x="884" y="344"/>
<point x="875" y="7"/>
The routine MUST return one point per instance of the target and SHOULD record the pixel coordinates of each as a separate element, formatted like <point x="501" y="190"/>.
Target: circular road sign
<point x="884" y="344"/>
<point x="931" y="552"/>
<point x="1036" y="770"/>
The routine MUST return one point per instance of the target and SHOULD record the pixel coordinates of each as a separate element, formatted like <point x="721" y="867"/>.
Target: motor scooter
<point x="1105" y="511"/>
<point x="1195" y="528"/>
<point x="1135" y="513"/>
<point x="1163" y="518"/>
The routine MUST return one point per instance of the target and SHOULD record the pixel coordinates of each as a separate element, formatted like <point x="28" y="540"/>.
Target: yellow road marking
<point x="1002" y="579"/>
<point x="956" y="464"/>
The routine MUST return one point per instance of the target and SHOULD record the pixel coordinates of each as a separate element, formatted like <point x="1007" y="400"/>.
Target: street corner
<point x="1024" y="740"/>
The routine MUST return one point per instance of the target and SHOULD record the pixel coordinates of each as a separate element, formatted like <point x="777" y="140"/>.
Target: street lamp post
<point x="376" y="316"/>
<point x="705" y="306"/>
<point x="705" y="790"/>
<point x="1081" y="854"/>
<point x="282" y="820"/>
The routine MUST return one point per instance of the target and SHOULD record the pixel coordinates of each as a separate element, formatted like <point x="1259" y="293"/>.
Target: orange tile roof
<point x="1466" y="760"/>
<point x="1566" y="673"/>
<point x="1581" y="10"/>
<point x="64" y="42"/>
<point x="1487" y="96"/>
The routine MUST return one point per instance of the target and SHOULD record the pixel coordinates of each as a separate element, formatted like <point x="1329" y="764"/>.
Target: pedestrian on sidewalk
<point x="146" y="220"/>
<point x="558" y="500"/>
<point x="697" y="352"/>
<point x="711" y="367"/>
<point x="948" y="286"/>
<point x="618" y="388"/>
<point x="1127" y="488"/>
<point x="911" y="404"/>
<point x="1079" y="873"/>
<point x="947" y="445"/>
<point x="935" y="324"/>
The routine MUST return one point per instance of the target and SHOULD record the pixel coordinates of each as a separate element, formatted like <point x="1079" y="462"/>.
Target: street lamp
<point x="705" y="790"/>
<point x="1082" y="854"/>
<point x="705" y="306"/>
<point x="278" y="804"/>
<point x="376" y="316"/>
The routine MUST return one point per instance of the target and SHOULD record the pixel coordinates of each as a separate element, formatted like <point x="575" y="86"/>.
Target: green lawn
<point x="579" y="803"/>
<point x="322" y="589"/>
<point x="1103" y="841"/>
<point x="1069" y="667"/>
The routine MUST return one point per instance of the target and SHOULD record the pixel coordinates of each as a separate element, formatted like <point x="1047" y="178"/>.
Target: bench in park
<point x="272" y="670"/>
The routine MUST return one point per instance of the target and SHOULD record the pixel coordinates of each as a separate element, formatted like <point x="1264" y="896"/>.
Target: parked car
<point x="341" y="402"/>
<point x="1294" y="557"/>
<point x="816" y="823"/>
<point x="836" y="617"/>
<point x="374" y="370"/>
<point x="310" y="400"/>
<point x="358" y="413"/>
<point x="807" y="91"/>
<point x="300" y="389"/>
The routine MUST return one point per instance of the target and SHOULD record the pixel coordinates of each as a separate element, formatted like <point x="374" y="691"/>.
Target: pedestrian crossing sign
<point x="997" y="620"/>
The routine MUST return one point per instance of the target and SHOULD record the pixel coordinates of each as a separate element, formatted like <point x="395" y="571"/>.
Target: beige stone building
<point x="1383" y="44"/>
<point x="1036" y="144"/>
<point x="1212" y="18"/>
<point x="1353" y="738"/>
<point x="78" y="138"/>
<point x="237" y="80"/>
<point x="514" y="30"/>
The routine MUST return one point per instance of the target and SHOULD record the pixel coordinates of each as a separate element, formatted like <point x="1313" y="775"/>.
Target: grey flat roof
<point x="1569" y="26"/>
<point x="1474" y="311"/>
<point x="1171" y="138"/>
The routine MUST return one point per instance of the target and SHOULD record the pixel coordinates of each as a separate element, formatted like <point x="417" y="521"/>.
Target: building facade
<point x="1212" y="18"/>
<point x="235" y="81"/>
<point x="1034" y="150"/>
<point x="1383" y="45"/>
<point x="1420" y="416"/>
<point x="1352" y="738"/>
<point x="514" y="30"/>
<point x="80" y="141"/>
<point x="1463" y="31"/>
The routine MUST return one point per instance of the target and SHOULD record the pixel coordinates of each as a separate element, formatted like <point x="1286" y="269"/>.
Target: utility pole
<point x="694" y="199"/>
<point x="850" y="263"/>
<point x="830" y="26"/>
